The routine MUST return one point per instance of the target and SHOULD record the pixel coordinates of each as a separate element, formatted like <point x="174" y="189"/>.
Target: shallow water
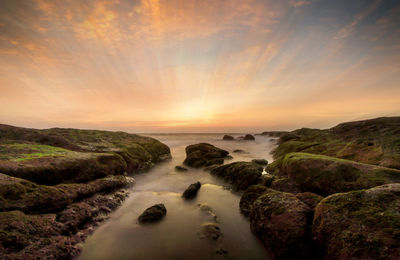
<point x="177" y="235"/>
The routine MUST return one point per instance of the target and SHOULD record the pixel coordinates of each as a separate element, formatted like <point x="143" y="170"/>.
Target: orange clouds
<point x="188" y="65"/>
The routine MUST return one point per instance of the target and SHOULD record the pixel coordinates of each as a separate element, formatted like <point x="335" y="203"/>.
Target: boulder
<point x="267" y="179"/>
<point x="285" y="185"/>
<point x="240" y="174"/>
<point x="309" y="198"/>
<point x="363" y="224"/>
<point x="153" y="214"/>
<point x="282" y="222"/>
<point x="191" y="191"/>
<point x="260" y="161"/>
<point x="249" y="196"/>
<point x="249" y="137"/>
<point x="203" y="154"/>
<point x="228" y="138"/>
<point x="326" y="175"/>
<point x="180" y="168"/>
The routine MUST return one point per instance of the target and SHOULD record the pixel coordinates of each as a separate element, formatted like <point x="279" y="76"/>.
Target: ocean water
<point x="177" y="235"/>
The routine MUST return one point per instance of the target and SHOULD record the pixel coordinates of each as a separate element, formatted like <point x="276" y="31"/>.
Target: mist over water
<point x="177" y="235"/>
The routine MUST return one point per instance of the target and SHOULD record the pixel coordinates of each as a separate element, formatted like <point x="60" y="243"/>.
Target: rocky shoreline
<point x="56" y="185"/>
<point x="329" y="194"/>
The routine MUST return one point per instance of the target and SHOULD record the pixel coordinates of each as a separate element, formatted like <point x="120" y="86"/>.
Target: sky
<point x="198" y="65"/>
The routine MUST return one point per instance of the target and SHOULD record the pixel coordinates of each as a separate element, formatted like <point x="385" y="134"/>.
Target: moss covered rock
<point x="374" y="141"/>
<point x="362" y="224"/>
<point x="309" y="198"/>
<point x="282" y="222"/>
<point x="240" y="174"/>
<point x="326" y="175"/>
<point x="249" y="196"/>
<point x="58" y="155"/>
<point x="203" y="154"/>
<point x="23" y="195"/>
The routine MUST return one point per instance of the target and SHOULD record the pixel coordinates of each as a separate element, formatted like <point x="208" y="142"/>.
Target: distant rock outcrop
<point x="203" y="154"/>
<point x="228" y="138"/>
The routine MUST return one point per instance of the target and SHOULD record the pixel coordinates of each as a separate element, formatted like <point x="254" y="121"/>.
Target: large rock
<point x="362" y="224"/>
<point x="309" y="198"/>
<point x="240" y="174"/>
<point x="203" y="154"/>
<point x="228" y="138"/>
<point x="282" y="222"/>
<point x="249" y="137"/>
<point x="326" y="175"/>
<point x="249" y="196"/>
<point x="23" y="195"/>
<point x="191" y="191"/>
<point x="374" y="141"/>
<point x="153" y="214"/>
<point x="58" y="155"/>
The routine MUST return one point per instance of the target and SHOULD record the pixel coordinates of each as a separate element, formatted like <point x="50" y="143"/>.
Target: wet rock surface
<point x="180" y="168"/>
<point x="153" y="214"/>
<point x="191" y="191"/>
<point x="240" y="174"/>
<point x="203" y="154"/>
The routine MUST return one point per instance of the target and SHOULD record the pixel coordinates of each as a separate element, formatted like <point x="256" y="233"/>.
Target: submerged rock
<point x="203" y="154"/>
<point x="210" y="231"/>
<point x="362" y="224"/>
<point x="260" y="161"/>
<point x="281" y="221"/>
<point x="326" y="175"/>
<point x="240" y="174"/>
<point x="153" y="214"/>
<point x="228" y="138"/>
<point x="207" y="209"/>
<point x="181" y="168"/>
<point x="239" y="151"/>
<point x="191" y="191"/>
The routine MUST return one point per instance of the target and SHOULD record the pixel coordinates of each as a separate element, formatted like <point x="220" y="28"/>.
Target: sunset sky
<point x="198" y="65"/>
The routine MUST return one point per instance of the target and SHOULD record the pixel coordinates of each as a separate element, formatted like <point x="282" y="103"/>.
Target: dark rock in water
<point x="282" y="221"/>
<point x="309" y="198"/>
<point x="239" y="151"/>
<point x="363" y="224"/>
<point x="260" y="161"/>
<point x="229" y="157"/>
<point x="326" y="175"/>
<point x="228" y="138"/>
<point x="249" y="196"/>
<point x="191" y="191"/>
<point x="210" y="231"/>
<point x="203" y="154"/>
<point x="240" y="174"/>
<point x="152" y="214"/>
<point x="180" y="168"/>
<point x="249" y="137"/>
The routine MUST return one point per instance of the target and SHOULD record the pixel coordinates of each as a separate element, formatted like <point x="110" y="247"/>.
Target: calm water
<point x="177" y="235"/>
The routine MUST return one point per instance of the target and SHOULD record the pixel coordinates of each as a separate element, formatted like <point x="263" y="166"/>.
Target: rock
<point x="229" y="157"/>
<point x="19" y="194"/>
<point x="203" y="154"/>
<point x="191" y="191"/>
<point x="228" y="138"/>
<point x="374" y="141"/>
<point x="309" y="198"/>
<point x="249" y="137"/>
<point x="267" y="179"/>
<point x="249" y="196"/>
<point x="180" y="168"/>
<point x="326" y="175"/>
<point x="285" y="185"/>
<point x="239" y="151"/>
<point x="153" y="214"/>
<point x="363" y="224"/>
<point x="282" y="221"/>
<point x="210" y="231"/>
<point x="207" y="209"/>
<point x="240" y="174"/>
<point x="54" y="156"/>
<point x="260" y="161"/>
<point x="274" y="133"/>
